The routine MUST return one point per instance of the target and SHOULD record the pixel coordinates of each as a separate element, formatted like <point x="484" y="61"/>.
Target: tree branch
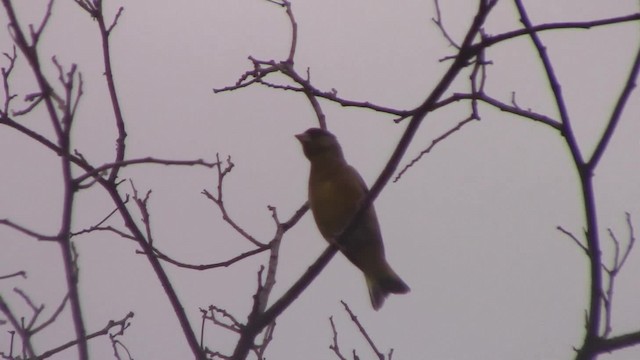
<point x="617" y="112"/>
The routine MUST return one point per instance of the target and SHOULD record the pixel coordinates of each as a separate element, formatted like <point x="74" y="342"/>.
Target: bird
<point x="336" y="191"/>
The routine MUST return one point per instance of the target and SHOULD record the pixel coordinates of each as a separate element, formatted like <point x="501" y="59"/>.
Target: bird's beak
<point x="303" y="138"/>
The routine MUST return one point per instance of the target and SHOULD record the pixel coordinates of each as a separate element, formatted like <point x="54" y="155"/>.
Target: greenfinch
<point x="336" y="191"/>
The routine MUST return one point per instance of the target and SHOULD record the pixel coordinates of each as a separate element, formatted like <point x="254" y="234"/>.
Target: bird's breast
<point x="333" y="203"/>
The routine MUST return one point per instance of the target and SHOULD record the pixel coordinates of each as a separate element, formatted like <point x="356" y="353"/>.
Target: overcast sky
<point x="471" y="227"/>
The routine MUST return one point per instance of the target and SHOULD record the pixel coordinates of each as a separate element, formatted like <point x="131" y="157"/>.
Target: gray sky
<point x="471" y="227"/>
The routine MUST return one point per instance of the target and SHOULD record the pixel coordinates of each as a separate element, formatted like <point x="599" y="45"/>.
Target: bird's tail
<point x="384" y="284"/>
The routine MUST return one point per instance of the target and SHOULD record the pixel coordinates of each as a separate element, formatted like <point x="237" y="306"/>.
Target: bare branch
<point x="53" y="316"/>
<point x="585" y="172"/>
<point x="573" y="237"/>
<point x="631" y="242"/>
<point x="266" y="340"/>
<point x="333" y="96"/>
<point x="118" y="232"/>
<point x="115" y="20"/>
<point x="440" y="24"/>
<point x="617" y="112"/>
<point x="225" y="263"/>
<point x="6" y="73"/>
<point x="35" y="35"/>
<point x="23" y="333"/>
<point x="87" y="5"/>
<point x="334" y="346"/>
<point x="515" y="109"/>
<point x="142" y="206"/>
<point x="272" y="266"/>
<point x="618" y="342"/>
<point x="492" y="40"/>
<point x="613" y="271"/>
<point x="554" y="84"/>
<point x="434" y="142"/>
<point x="122" y="324"/>
<point x="113" y="94"/>
<point x="28" y="232"/>
<point x="31" y="56"/>
<point x="219" y="201"/>
<point x="37" y="310"/>
<point x="362" y="330"/>
<point x="98" y="226"/>
<point x="232" y="325"/>
<point x="147" y="160"/>
<point x="251" y="76"/>
<point x="284" y="227"/>
<point x="294" y="31"/>
<point x="20" y="273"/>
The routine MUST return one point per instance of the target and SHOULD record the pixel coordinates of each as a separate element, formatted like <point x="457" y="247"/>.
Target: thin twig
<point x="160" y="255"/>
<point x="97" y="226"/>
<point x="146" y="160"/>
<point x="122" y="323"/>
<point x="629" y="86"/>
<point x="27" y="231"/>
<point x="20" y="273"/>
<point x="362" y="330"/>
<point x="495" y="39"/>
<point x="218" y="200"/>
<point x="6" y="73"/>
<point x="334" y="346"/>
<point x="554" y="84"/>
<point x="234" y="326"/>
<point x="434" y="142"/>
<point x="23" y="333"/>
<point x="37" y="310"/>
<point x="613" y="271"/>
<point x="333" y="96"/>
<point x="53" y="316"/>
<point x="574" y="238"/>
<point x="440" y="24"/>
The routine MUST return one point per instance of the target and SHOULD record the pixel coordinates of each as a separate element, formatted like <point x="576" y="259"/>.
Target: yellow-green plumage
<point x="336" y="191"/>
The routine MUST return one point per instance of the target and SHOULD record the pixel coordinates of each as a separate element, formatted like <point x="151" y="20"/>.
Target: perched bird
<point x="336" y="191"/>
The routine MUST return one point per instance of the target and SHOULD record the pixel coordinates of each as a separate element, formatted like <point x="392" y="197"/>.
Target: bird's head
<point x="319" y="143"/>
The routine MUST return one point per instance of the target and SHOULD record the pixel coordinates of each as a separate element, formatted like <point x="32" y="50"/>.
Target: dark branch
<point x="617" y="112"/>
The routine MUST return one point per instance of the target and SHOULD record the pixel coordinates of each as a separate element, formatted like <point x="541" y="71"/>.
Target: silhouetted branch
<point x="232" y="325"/>
<point x="513" y="109"/>
<point x="598" y="295"/>
<point x="218" y="200"/>
<point x="6" y="73"/>
<point x="20" y="273"/>
<point x="27" y="231"/>
<point x="333" y="96"/>
<point x="122" y="324"/>
<point x="617" y="112"/>
<point x="262" y="68"/>
<point x="617" y="342"/>
<point x="495" y="39"/>
<point x="574" y="238"/>
<point x="334" y="346"/>
<point x="53" y="316"/>
<point x="362" y="330"/>
<point x="23" y="333"/>
<point x="160" y="255"/>
<point x="146" y="160"/>
<point x="612" y="271"/>
<point x="434" y="142"/>
<point x="440" y="24"/>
